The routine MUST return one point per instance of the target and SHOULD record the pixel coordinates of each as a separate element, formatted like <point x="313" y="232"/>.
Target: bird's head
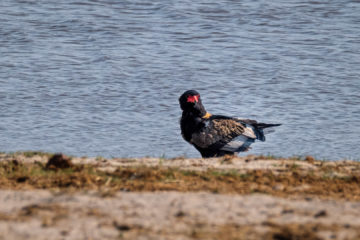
<point x="190" y="101"/>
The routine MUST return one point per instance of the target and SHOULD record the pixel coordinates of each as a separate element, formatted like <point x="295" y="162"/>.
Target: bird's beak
<point x="207" y="115"/>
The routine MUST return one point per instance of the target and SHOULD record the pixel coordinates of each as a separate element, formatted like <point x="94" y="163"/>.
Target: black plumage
<point x="217" y="135"/>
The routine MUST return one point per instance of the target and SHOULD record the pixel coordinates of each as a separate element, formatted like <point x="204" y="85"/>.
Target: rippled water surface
<point x="103" y="77"/>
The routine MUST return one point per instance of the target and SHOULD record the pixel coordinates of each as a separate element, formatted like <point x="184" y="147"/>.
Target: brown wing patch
<point x="219" y="131"/>
<point x="228" y="127"/>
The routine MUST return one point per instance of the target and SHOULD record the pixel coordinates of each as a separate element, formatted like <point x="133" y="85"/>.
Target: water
<point x="103" y="77"/>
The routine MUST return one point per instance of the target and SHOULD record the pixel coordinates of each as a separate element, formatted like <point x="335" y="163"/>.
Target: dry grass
<point x="292" y="182"/>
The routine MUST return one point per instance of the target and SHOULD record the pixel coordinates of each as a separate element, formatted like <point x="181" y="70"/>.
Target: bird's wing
<point x="256" y="124"/>
<point x="217" y="132"/>
<point x="259" y="129"/>
<point x="247" y="121"/>
<point x="229" y="134"/>
<point x="253" y="129"/>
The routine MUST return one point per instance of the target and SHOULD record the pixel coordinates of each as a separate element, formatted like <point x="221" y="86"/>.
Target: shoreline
<point x="251" y="197"/>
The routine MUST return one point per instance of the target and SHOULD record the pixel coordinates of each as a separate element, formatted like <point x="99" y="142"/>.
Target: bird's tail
<point x="266" y="125"/>
<point x="268" y="128"/>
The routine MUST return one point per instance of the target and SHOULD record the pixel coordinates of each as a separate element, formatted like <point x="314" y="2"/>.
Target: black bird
<point x="217" y="135"/>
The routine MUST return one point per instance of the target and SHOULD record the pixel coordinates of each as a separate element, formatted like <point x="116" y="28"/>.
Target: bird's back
<point x="219" y="135"/>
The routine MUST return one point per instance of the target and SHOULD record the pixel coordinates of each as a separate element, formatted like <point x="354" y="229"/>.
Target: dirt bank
<point x="253" y="197"/>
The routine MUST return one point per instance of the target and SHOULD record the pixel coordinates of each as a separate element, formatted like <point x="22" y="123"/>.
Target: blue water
<point x="103" y="77"/>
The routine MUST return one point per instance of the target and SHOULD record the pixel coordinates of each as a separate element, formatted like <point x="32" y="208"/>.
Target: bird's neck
<point x="195" y="113"/>
<point x="190" y="123"/>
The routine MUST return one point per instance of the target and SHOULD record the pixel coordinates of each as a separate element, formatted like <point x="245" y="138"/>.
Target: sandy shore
<point x="252" y="197"/>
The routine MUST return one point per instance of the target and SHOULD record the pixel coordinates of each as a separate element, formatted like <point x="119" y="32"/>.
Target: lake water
<point x="103" y="77"/>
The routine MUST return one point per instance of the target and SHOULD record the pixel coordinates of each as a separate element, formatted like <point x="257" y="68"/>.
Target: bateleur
<point x="217" y="135"/>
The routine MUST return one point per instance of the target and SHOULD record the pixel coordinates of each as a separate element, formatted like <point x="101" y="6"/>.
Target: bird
<point x="217" y="135"/>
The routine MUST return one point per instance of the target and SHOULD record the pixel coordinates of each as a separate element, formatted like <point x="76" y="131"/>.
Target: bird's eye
<point x="193" y="99"/>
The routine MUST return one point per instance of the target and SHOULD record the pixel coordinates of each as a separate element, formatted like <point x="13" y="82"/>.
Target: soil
<point x="46" y="196"/>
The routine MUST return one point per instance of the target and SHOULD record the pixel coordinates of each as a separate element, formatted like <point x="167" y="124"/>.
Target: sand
<point x="105" y="211"/>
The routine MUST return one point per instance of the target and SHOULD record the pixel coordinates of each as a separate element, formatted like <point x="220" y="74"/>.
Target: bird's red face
<point x="193" y="98"/>
<point x="190" y="101"/>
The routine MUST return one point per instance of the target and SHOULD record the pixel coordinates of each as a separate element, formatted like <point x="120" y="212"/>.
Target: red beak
<point x="193" y="99"/>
